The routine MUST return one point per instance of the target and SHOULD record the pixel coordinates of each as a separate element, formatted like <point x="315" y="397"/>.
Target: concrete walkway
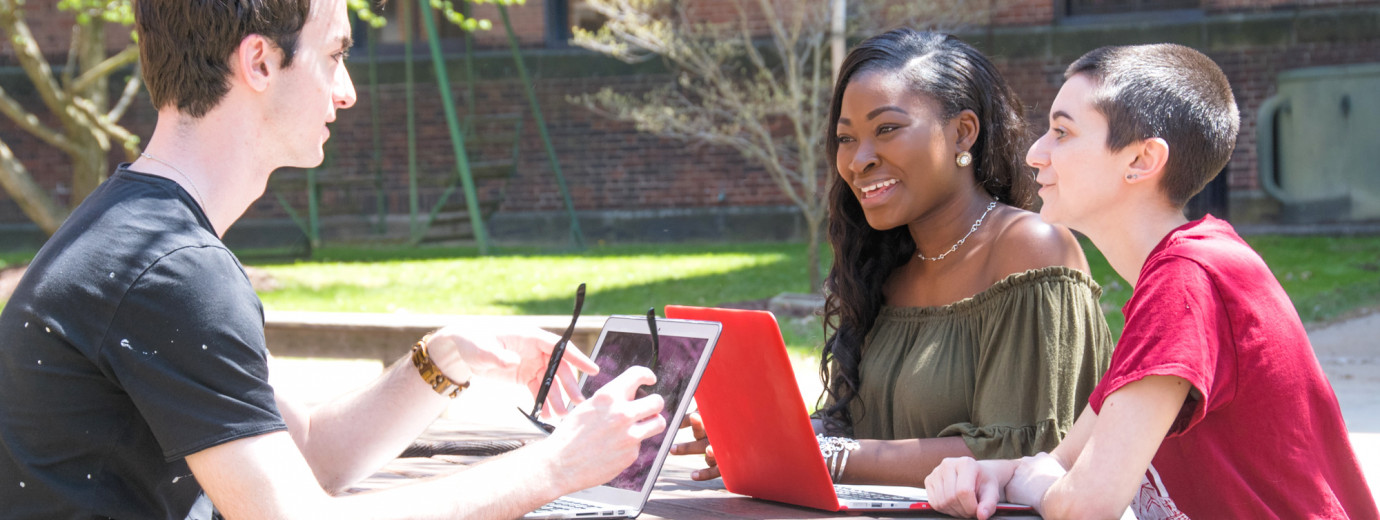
<point x="1349" y="352"/>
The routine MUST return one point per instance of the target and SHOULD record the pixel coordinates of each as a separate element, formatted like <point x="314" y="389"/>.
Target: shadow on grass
<point x="367" y="254"/>
<point x="803" y="336"/>
<point x="756" y="282"/>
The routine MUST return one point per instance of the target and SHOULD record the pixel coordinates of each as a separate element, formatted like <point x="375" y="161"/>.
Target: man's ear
<point x="1148" y="162"/>
<point x="967" y="127"/>
<point x="255" y="61"/>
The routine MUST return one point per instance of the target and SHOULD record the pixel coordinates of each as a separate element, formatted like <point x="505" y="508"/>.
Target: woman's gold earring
<point x="964" y="159"/>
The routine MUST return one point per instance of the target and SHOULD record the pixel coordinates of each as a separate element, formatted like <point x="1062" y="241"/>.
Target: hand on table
<point x="1032" y="478"/>
<point x="698" y="446"/>
<point x="968" y="488"/>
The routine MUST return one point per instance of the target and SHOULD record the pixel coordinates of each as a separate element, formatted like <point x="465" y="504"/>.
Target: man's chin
<point x="311" y="162"/>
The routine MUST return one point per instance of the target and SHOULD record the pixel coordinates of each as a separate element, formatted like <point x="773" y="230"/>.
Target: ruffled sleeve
<point x="1042" y="346"/>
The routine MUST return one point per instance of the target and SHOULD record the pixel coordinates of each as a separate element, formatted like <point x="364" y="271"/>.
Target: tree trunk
<point x="88" y="171"/>
<point x="814" y="224"/>
<point x="32" y="200"/>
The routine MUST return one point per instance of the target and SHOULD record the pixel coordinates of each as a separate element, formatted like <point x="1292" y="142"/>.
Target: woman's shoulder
<point x="1025" y="242"/>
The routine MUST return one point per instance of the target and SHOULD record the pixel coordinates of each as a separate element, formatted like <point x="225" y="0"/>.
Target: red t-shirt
<point x="1261" y="434"/>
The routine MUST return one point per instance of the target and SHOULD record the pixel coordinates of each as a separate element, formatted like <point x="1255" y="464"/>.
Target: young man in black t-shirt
<point x="133" y="367"/>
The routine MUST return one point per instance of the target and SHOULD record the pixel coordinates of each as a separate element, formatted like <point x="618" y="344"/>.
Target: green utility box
<point x="1318" y="144"/>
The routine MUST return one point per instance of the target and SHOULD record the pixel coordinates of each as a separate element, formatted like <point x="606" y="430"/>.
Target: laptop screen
<point x="678" y="358"/>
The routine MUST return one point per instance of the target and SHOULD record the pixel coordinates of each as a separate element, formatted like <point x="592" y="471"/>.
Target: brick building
<point x="629" y="185"/>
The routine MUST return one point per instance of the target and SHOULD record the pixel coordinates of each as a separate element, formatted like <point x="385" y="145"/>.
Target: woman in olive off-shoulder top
<point x="960" y="323"/>
<point x="1006" y="370"/>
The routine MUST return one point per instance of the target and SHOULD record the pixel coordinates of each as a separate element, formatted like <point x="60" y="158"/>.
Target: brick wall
<point x="611" y="166"/>
<point x="1021" y="12"/>
<point x="529" y="24"/>
<point x="1274" y="5"/>
<point x="607" y="165"/>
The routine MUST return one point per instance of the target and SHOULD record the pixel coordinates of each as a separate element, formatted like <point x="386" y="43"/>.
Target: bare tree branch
<point x="31" y="58"/>
<point x="70" y="69"/>
<point x="128" y="141"/>
<point x="32" y="200"/>
<point x="104" y="69"/>
<point x="30" y="123"/>
<point x="127" y="97"/>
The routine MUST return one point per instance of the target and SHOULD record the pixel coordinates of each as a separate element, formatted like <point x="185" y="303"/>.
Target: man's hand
<point x="964" y="487"/>
<point x="516" y="356"/>
<point x="600" y="438"/>
<point x="698" y="446"/>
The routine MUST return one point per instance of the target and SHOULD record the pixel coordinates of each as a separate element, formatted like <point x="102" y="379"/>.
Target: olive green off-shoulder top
<point x="1008" y="369"/>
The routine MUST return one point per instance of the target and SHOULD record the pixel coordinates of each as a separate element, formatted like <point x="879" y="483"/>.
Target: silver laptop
<point x="678" y="354"/>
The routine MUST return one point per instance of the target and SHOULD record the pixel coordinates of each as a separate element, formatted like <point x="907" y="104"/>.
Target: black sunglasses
<point x="656" y="343"/>
<point x="558" y="352"/>
<point x="554" y="364"/>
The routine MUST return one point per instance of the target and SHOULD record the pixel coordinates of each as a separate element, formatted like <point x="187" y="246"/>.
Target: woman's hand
<point x="699" y="445"/>
<point x="968" y="488"/>
<point x="518" y="356"/>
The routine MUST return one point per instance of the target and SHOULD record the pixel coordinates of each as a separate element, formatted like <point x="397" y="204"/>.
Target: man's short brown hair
<point x="185" y="45"/>
<point x="1171" y="92"/>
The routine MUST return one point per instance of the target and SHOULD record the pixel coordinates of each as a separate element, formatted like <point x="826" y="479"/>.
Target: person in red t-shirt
<point x="1214" y="405"/>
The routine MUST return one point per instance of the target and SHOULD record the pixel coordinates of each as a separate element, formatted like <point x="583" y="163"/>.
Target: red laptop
<point x="760" y="427"/>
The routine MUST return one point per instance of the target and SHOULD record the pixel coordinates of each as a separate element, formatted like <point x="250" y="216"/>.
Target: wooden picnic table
<point x="676" y="495"/>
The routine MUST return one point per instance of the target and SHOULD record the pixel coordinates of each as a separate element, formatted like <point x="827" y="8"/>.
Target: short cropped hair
<point x="185" y="45"/>
<point x="1171" y="92"/>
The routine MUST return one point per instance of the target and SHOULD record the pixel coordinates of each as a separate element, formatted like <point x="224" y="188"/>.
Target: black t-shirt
<point x="134" y="340"/>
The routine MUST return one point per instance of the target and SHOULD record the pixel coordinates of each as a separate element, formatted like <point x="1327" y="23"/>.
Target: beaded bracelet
<point x="835" y="451"/>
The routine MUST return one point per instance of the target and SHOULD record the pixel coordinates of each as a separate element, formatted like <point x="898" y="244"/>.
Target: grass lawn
<point x="1327" y="278"/>
<point x="15" y="257"/>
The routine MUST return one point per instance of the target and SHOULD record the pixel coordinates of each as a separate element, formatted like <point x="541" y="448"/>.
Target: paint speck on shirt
<point x="203" y="347"/>
<point x="112" y="275"/>
<point x="125" y="343"/>
<point x="40" y="361"/>
<point x="88" y="476"/>
<point x="48" y="330"/>
<point x="21" y="484"/>
<point x="26" y="324"/>
<point x="175" y="479"/>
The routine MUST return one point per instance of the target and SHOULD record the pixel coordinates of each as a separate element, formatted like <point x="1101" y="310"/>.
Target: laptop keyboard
<point x="564" y="504"/>
<point x="852" y="493"/>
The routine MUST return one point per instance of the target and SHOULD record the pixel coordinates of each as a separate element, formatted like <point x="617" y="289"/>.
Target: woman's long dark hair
<point x="957" y="77"/>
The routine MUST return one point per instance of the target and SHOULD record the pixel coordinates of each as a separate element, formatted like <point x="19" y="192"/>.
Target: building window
<point x="397" y="11"/>
<point x="1097" y="7"/>
<point x="561" y="15"/>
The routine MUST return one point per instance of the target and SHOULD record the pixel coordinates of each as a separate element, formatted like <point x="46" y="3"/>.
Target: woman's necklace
<point x="976" y="224"/>
<point x="200" y="201"/>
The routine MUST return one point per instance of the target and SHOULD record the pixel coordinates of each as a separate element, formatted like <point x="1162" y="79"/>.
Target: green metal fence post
<point x="457" y="139"/>
<point x="575" y="232"/>
<point x="413" y="203"/>
<point x="380" y="201"/>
